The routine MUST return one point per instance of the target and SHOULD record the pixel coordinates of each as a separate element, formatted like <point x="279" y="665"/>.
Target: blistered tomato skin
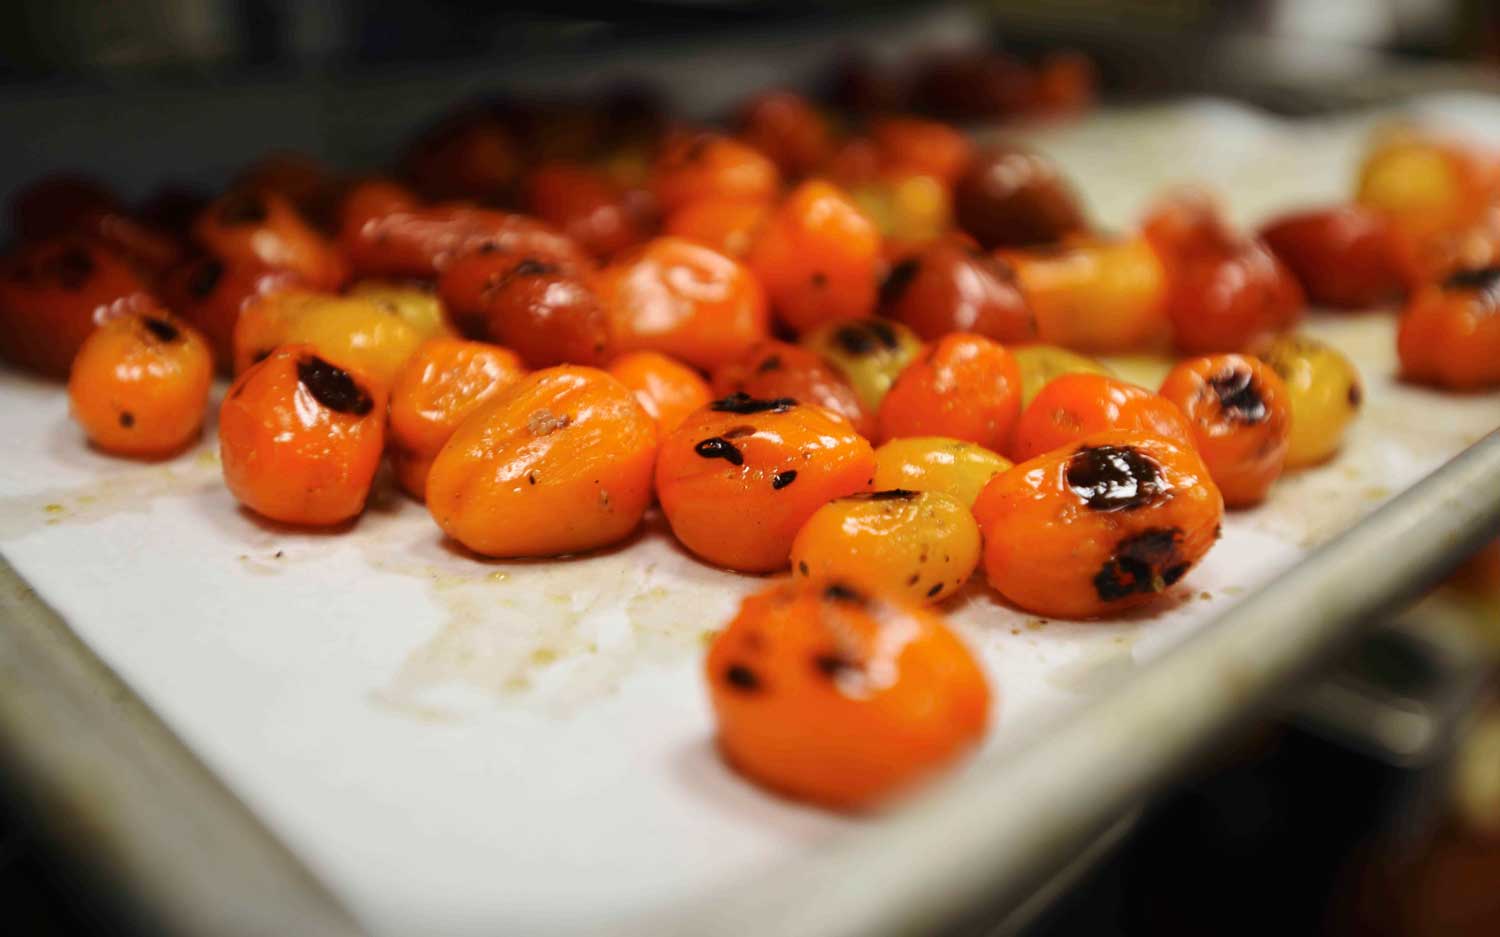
<point x="937" y="463"/>
<point x="263" y="228"/>
<point x="541" y="310"/>
<point x="1241" y="421"/>
<point x="445" y="381"/>
<point x="52" y="295"/>
<point x="964" y="386"/>
<point x="921" y="545"/>
<point x="1040" y="364"/>
<point x="705" y="165"/>
<point x="666" y="389"/>
<point x="1009" y="197"/>
<point x="826" y="692"/>
<point x="1095" y="295"/>
<point x="869" y="353"/>
<point x="1080" y="404"/>
<point x="788" y="129"/>
<point x="1345" y="257"/>
<point x="300" y="438"/>
<point x="775" y="369"/>
<point x="139" y="385"/>
<point x="1450" y="334"/>
<point x="210" y="294"/>
<point x="740" y="477"/>
<point x="1324" y="391"/>
<point x="818" y="257"/>
<point x="950" y="287"/>
<point x="685" y="300"/>
<point x="558" y="462"/>
<point x="1101" y="526"/>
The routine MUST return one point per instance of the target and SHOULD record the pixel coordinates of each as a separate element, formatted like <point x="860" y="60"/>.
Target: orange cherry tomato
<point x="470" y="156"/>
<point x="588" y="206"/>
<point x="423" y="242"/>
<point x="856" y="162"/>
<point x="789" y="130"/>
<point x="52" y="295"/>
<point x="1431" y="256"/>
<point x="366" y="201"/>
<point x="1345" y="257"/>
<point x="740" y="477"/>
<point x="964" y="386"/>
<point x="666" y="389"/>
<point x="1450" y="334"/>
<point x="1241" y="419"/>
<point x="829" y="693"/>
<point x="1010" y="197"/>
<point x="538" y="308"/>
<point x="1095" y="295"/>
<point x="264" y="228"/>
<point x="1101" y="526"/>
<point x="1426" y="184"/>
<point x="818" y="257"/>
<point x="1080" y="404"/>
<point x="445" y="381"/>
<point x="950" y="287"/>
<point x="775" y="369"/>
<point x="558" y="462"/>
<point x="927" y="146"/>
<point x="685" y="300"/>
<point x="693" y="166"/>
<point x="139" y="385"/>
<point x="210" y="293"/>
<point x="728" y="225"/>
<point x="300" y="438"/>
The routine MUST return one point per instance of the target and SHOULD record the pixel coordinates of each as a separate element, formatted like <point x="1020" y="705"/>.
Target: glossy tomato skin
<point x="1323" y="389"/>
<point x="937" y="463"/>
<point x="951" y="287"/>
<point x="589" y="207"/>
<point x="1082" y="404"/>
<point x="1098" y="527"/>
<point x="869" y="353"/>
<point x="964" y="386"/>
<point x="1241" y="419"/>
<point x="264" y="228"/>
<point x="422" y="242"/>
<point x="538" y="308"/>
<point x="692" y="166"/>
<point x="740" y="477"/>
<point x="831" y="693"/>
<point x="1095" y="295"/>
<point x="728" y="225"/>
<point x="1041" y="364"/>
<point x="352" y="332"/>
<point x="927" y="146"/>
<point x="666" y="389"/>
<point x="1011" y="197"/>
<point x="210" y="294"/>
<point x="774" y="369"/>
<point x="1449" y="334"/>
<point x="1426" y="184"/>
<point x="1345" y="257"/>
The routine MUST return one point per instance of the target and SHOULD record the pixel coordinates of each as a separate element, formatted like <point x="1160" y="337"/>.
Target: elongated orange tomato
<point x="684" y="300"/>
<point x="384" y="239"/>
<point x="1080" y="404"/>
<point x="300" y="438"/>
<point x="827" y="692"/>
<point x="740" y="477"/>
<point x="818" y="257"/>
<point x="1450" y="334"/>
<point x="441" y="384"/>
<point x="1103" y="525"/>
<point x="139" y="386"/>
<point x="775" y="369"/>
<point x="728" y="225"/>
<point x="964" y="386"/>
<point x="264" y="228"/>
<point x="666" y="389"/>
<point x="558" y="462"/>
<point x="1241" y="419"/>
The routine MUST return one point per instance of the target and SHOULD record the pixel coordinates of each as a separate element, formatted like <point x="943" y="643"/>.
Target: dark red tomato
<point x="775" y="369"/>
<point x="954" y="287"/>
<point x="1010" y="197"/>
<point x="788" y="129"/>
<point x="541" y="310"/>
<point x="1346" y="257"/>
<point x="467" y="157"/>
<point x="589" y="207"/>
<point x="422" y="242"/>
<point x="57" y="205"/>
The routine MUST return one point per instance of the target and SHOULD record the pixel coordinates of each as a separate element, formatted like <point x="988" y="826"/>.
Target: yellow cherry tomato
<point x="420" y="308"/>
<point x="937" y="463"/>
<point x="1325" y="394"/>
<point x="869" y="353"/>
<point x="1041" y="363"/>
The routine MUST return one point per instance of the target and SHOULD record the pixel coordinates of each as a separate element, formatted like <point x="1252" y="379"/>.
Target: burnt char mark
<point x="162" y="329"/>
<point x="716" y="447"/>
<point x="834" y="666"/>
<point x="531" y="267"/>
<point x="205" y="278"/>
<point x="840" y="592"/>
<point x="73" y="268"/>
<point x="744" y="404"/>
<point x="1115" y="478"/>
<point x="333" y="387"/>
<point x="890" y="494"/>
<point x="742" y="678"/>
<point x="936" y="588"/>
<point x="242" y="208"/>
<point x="781" y="479"/>
<point x="863" y="338"/>
<point x="1356" y="395"/>
<point x="768" y="363"/>
<point x="1143" y="563"/>
<point x="127" y="419"/>
<point x="1239" y="396"/>
<point x="895" y="284"/>
<point x="1482" y="280"/>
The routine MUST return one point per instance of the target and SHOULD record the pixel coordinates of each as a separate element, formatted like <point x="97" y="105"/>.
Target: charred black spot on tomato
<point x="333" y="387"/>
<point x="205" y="278"/>
<point x="1143" y="563"/>
<point x="744" y="404"/>
<point x="768" y="363"/>
<point x="820" y="279"/>
<point x="127" y="419"/>
<point x="893" y="287"/>
<point x="531" y="267"/>
<point x="781" y="479"/>
<point x="840" y="592"/>
<point x="1356" y="396"/>
<point x="1482" y="280"/>
<point x="890" y="494"/>
<point x="259" y="356"/>
<point x="73" y="267"/>
<point x="834" y="666"/>
<point x="862" y="338"/>
<point x="802" y="567"/>
<point x="243" y="208"/>
<point x="741" y="678"/>
<point x="162" y="329"/>
<point x="717" y="447"/>
<point x="1115" y="478"/>
<point x="1239" y="396"/>
<point x="936" y="588"/>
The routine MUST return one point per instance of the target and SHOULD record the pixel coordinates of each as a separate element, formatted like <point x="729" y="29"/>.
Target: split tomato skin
<point x="963" y="386"/>
<point x="1449" y="335"/>
<point x="1241" y="420"/>
<point x="1082" y="404"/>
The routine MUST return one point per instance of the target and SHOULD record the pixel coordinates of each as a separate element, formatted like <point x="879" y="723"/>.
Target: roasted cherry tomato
<point x="300" y="438"/>
<point x="308" y="184"/>
<point x="937" y="463"/>
<point x="951" y="287"/>
<point x="1450" y="334"/>
<point x="921" y="545"/>
<point x="558" y="462"/>
<point x="470" y="156"/>
<point x="818" y="257"/>
<point x="1324" y="391"/>
<point x="1425" y="184"/>
<point x="964" y="386"/>
<point x="965" y="85"/>
<point x="1241" y="421"/>
<point x="210" y="293"/>
<point x="692" y="166"/>
<point x="1103" y="525"/>
<point x="740" y="477"/>
<point x="685" y="300"/>
<point x="666" y="389"/>
<point x="1040" y="364"/>
<point x="1345" y="257"/>
<point x="150" y="250"/>
<point x="1432" y="257"/>
<point x="910" y="208"/>
<point x="926" y="146"/>
<point x="354" y="333"/>
<point x="728" y="225"/>
<point x="417" y="305"/>
<point x="538" y="308"/>
<point x="1095" y="295"/>
<point x="869" y="353"/>
<point x="1010" y="197"/>
<point x="1076" y="405"/>
<point x="264" y="228"/>
<point x="424" y="242"/>
<point x="775" y="369"/>
<point x="445" y="381"/>
<point x="589" y="207"/>
<point x="788" y="129"/>
<point x="58" y="205"/>
<point x="173" y="207"/>
<point x="139" y="385"/>
<point x="826" y="692"/>
<point x="52" y="295"/>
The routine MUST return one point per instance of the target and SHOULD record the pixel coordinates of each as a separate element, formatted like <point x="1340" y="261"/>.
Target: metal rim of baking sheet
<point x="133" y="807"/>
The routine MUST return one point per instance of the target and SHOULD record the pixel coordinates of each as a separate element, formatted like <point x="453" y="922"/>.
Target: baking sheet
<point x="462" y="746"/>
